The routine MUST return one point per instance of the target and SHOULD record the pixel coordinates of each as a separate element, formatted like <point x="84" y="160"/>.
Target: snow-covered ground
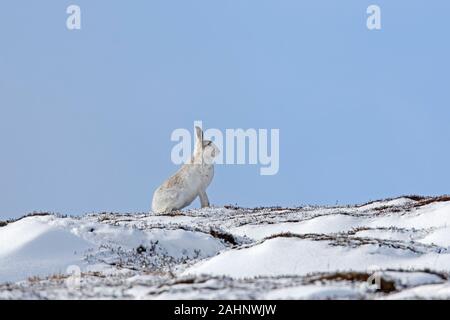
<point x="390" y="249"/>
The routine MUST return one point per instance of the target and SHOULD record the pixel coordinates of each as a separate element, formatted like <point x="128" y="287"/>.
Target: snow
<point x="291" y="256"/>
<point x="409" y="279"/>
<point x="32" y="247"/>
<point x="42" y="246"/>
<point x="437" y="291"/>
<point x="440" y="237"/>
<point x="314" y="292"/>
<point x="398" y="202"/>
<point x="389" y="234"/>
<point x="322" y="224"/>
<point x="233" y="253"/>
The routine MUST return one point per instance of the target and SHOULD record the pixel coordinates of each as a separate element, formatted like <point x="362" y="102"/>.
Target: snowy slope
<point x="390" y="249"/>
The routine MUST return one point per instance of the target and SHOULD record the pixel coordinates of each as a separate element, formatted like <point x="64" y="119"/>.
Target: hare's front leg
<point x="204" y="201"/>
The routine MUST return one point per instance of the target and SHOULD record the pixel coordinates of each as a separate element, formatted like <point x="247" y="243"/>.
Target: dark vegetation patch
<point x="419" y="202"/>
<point x="36" y="214"/>
<point x="53" y="277"/>
<point x="426" y="201"/>
<point x="385" y="285"/>
<point x="141" y="249"/>
<point x="354" y="231"/>
<point x="191" y="280"/>
<point x="150" y="258"/>
<point x="388" y="209"/>
<point x="214" y="232"/>
<point x="58" y="277"/>
<point x="262" y="209"/>
<point x="232" y="207"/>
<point x="443" y="276"/>
<point x="228" y="237"/>
<point x="353" y="242"/>
<point x="104" y="217"/>
<point x="382" y="208"/>
<point x="33" y="214"/>
<point x="416" y="197"/>
<point x="116" y="217"/>
<point x="380" y="201"/>
<point x="172" y="213"/>
<point x="188" y="280"/>
<point x="271" y="209"/>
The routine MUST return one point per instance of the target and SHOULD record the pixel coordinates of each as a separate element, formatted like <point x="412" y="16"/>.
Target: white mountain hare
<point x="190" y="181"/>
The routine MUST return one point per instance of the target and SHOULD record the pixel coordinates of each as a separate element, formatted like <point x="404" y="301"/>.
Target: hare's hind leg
<point x="204" y="201"/>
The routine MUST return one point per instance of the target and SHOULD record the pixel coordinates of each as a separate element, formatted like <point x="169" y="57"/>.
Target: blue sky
<point x="86" y="116"/>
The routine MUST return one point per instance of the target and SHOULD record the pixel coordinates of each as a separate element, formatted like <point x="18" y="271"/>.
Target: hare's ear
<point x="199" y="134"/>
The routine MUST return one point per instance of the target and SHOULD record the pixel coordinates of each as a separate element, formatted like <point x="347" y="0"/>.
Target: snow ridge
<point x="388" y="249"/>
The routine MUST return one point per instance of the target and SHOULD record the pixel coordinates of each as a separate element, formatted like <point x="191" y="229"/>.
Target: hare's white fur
<point x="190" y="181"/>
